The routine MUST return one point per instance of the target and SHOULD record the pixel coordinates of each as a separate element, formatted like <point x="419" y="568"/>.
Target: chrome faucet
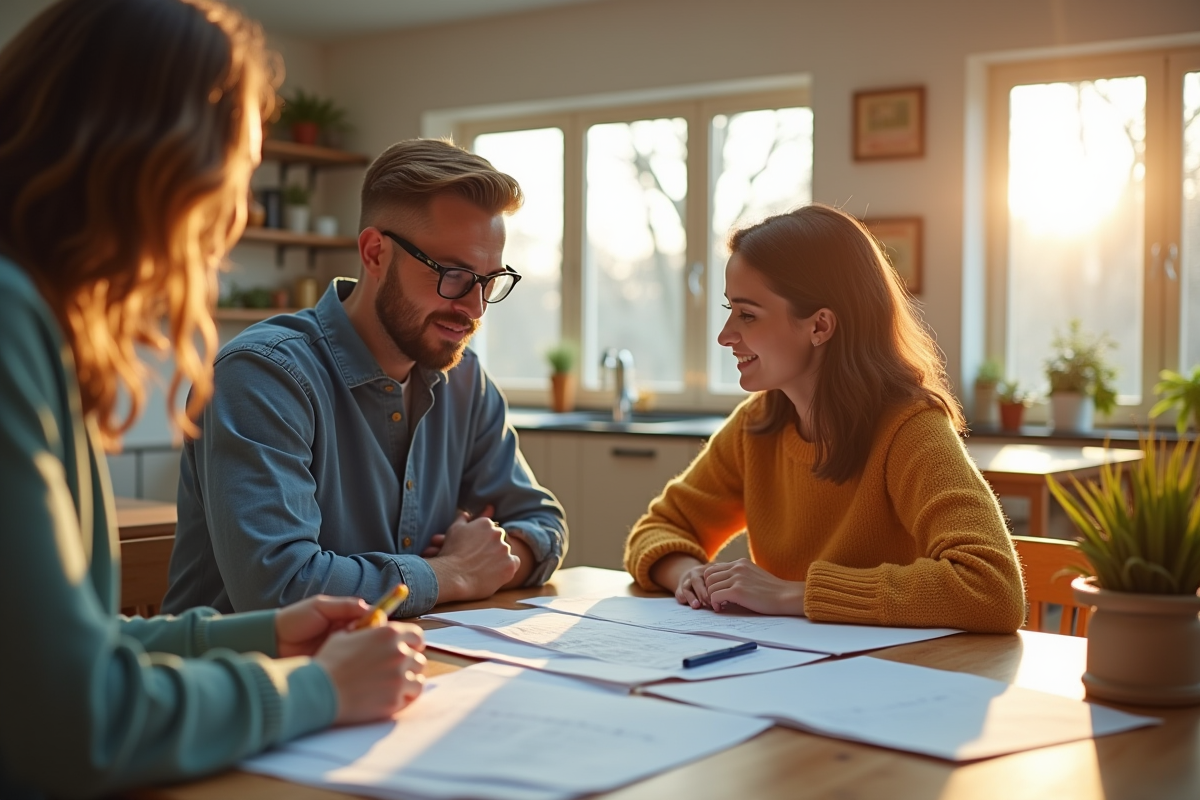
<point x="621" y="363"/>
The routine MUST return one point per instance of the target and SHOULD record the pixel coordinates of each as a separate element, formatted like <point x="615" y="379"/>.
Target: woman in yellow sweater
<point x="845" y="467"/>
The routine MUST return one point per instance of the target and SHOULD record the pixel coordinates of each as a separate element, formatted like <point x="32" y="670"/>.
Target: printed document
<point x="950" y="715"/>
<point x="501" y="733"/>
<point x="559" y="657"/>
<point x="798" y="633"/>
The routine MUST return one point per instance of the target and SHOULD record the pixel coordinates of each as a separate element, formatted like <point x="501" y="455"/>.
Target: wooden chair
<point x="144" y="565"/>
<point x="1042" y="561"/>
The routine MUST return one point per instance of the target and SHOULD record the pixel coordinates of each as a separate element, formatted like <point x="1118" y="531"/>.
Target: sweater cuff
<point x="841" y="594"/>
<point x="298" y="698"/>
<point x="248" y="632"/>
<point x="654" y="545"/>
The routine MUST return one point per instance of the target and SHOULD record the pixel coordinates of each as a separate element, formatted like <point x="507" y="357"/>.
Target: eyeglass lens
<point x="456" y="283"/>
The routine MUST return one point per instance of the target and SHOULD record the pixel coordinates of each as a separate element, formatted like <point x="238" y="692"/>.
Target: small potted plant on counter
<point x="1181" y="393"/>
<point x="1081" y="378"/>
<point x="562" y="382"/>
<point x="987" y="379"/>
<point x="1144" y="550"/>
<point x="1012" y="403"/>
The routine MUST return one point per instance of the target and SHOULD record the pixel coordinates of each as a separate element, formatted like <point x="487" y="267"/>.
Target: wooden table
<point x="1020" y="470"/>
<point x="784" y="764"/>
<point x="147" y="532"/>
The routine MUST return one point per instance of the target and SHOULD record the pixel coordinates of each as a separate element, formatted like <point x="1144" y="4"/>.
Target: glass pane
<point x="517" y="332"/>
<point x="1189" y="260"/>
<point x="1076" y="204"/>
<point x="761" y="165"/>
<point x="635" y="248"/>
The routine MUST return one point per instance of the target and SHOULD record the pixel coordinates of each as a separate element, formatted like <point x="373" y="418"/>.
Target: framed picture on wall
<point x="889" y="123"/>
<point x="900" y="240"/>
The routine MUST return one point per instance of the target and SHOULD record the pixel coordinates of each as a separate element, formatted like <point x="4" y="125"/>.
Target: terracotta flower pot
<point x="305" y="132"/>
<point x="562" y="392"/>
<point x="1011" y="416"/>
<point x="1143" y="649"/>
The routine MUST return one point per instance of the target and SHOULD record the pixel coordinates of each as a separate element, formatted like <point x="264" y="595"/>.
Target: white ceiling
<point x="331" y="19"/>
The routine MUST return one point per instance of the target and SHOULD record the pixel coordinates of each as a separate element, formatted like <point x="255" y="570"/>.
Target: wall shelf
<point x="313" y="155"/>
<point x="249" y="314"/>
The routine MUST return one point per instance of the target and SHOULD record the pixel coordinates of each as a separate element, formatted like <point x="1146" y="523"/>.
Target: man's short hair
<point x="409" y="174"/>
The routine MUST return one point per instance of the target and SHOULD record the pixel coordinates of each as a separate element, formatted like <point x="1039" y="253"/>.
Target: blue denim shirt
<point x="308" y="477"/>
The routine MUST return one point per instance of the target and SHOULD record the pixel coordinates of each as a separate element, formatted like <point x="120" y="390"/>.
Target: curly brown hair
<point x="124" y="170"/>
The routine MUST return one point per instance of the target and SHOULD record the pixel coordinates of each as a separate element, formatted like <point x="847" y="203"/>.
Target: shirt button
<point x="409" y="485"/>
<point x="389" y="388"/>
<point x="395" y="416"/>
<point x="406" y="541"/>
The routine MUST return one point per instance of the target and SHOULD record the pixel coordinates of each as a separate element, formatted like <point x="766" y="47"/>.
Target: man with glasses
<point x="359" y="444"/>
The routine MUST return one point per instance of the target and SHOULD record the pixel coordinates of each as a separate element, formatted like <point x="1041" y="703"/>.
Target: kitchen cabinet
<point x="606" y="482"/>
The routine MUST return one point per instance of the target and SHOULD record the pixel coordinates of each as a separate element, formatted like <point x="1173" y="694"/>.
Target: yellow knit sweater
<point x="916" y="540"/>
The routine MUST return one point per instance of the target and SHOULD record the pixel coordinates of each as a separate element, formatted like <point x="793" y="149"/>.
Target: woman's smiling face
<point x="774" y="349"/>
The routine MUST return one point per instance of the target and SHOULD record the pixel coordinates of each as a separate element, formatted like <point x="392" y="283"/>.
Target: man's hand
<point x="301" y="628"/>
<point x="748" y="585"/>
<point x="475" y="560"/>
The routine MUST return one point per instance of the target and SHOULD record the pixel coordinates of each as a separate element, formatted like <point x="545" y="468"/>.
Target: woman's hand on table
<point x="743" y="583"/>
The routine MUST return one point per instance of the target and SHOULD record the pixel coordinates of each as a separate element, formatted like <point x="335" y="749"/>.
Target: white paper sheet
<point x="950" y="715"/>
<point x="502" y="733"/>
<point x="483" y="643"/>
<point x="797" y="633"/>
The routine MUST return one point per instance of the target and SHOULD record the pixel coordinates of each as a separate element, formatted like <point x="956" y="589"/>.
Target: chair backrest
<point x="144" y="565"/>
<point x="1043" y="561"/>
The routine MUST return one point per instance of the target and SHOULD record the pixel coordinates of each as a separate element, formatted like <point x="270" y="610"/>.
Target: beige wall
<point x="388" y="81"/>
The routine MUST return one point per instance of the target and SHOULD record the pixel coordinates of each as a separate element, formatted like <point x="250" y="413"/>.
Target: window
<point x="1094" y="166"/>
<point x="622" y="237"/>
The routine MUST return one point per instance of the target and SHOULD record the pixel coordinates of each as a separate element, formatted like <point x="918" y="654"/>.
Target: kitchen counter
<point x="657" y="423"/>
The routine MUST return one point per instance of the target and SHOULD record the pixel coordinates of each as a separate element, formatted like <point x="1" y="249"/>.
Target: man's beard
<point x="400" y="318"/>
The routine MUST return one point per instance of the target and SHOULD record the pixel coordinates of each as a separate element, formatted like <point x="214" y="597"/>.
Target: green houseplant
<point x="1143" y="544"/>
<point x="1181" y="393"/>
<point x="1012" y="402"/>
<point x="1081" y="377"/>
<point x="295" y="208"/>
<point x="308" y="116"/>
<point x="987" y="378"/>
<point x="562" y="383"/>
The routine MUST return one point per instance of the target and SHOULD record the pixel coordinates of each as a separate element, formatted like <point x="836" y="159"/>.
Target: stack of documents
<point x="500" y="733"/>
<point x="665" y="613"/>
<point x="596" y="649"/>
<point x="948" y="715"/>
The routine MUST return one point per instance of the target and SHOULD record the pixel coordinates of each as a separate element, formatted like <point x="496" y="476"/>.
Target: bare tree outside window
<point x="635" y="247"/>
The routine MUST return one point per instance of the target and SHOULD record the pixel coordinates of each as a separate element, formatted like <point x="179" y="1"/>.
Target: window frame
<point x="1163" y="69"/>
<point x="574" y="121"/>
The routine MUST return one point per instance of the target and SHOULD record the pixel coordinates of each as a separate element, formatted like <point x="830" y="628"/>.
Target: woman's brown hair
<point x="124" y="168"/>
<point x="881" y="355"/>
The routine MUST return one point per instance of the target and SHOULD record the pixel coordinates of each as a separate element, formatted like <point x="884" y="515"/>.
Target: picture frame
<point x="889" y="123"/>
<point x="900" y="238"/>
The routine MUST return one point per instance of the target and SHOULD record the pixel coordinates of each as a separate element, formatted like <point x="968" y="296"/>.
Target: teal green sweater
<point x="91" y="702"/>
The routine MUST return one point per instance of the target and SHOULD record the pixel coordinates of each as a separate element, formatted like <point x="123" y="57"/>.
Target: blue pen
<point x="718" y="655"/>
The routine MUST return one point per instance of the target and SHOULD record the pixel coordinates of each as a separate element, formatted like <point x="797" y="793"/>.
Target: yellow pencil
<point x="382" y="609"/>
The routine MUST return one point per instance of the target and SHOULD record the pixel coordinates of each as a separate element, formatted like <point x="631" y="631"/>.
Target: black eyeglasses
<point x="456" y="282"/>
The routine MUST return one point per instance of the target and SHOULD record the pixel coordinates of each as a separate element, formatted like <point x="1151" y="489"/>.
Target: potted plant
<point x="562" y="382"/>
<point x="295" y="208"/>
<point x="309" y="117"/>
<point x="989" y="376"/>
<point x="1144" y="549"/>
<point x="1081" y="378"/>
<point x="1012" y="402"/>
<point x="1179" y="392"/>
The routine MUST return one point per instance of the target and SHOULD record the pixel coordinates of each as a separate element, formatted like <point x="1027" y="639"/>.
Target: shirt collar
<point x="355" y="361"/>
